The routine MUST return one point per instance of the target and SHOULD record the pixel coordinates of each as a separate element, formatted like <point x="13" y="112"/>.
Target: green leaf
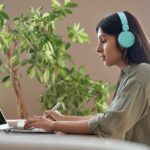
<point x="55" y="4"/>
<point x="1" y="22"/>
<point x="7" y="84"/>
<point x="2" y="6"/>
<point x="77" y="35"/>
<point x="14" y="60"/>
<point x="3" y="69"/>
<point x="53" y="77"/>
<point x="1" y="62"/>
<point x="82" y="69"/>
<point x="68" y="11"/>
<point x="67" y="57"/>
<point x="31" y="72"/>
<point x="67" y="46"/>
<point x="51" y="26"/>
<point x="5" y="78"/>
<point x="6" y="81"/>
<point x="62" y="72"/>
<point x="3" y="46"/>
<point x="45" y="15"/>
<point x="46" y="76"/>
<point x="76" y="27"/>
<point x="69" y="4"/>
<point x="5" y="41"/>
<point x="4" y="15"/>
<point x="39" y="75"/>
<point x="51" y="47"/>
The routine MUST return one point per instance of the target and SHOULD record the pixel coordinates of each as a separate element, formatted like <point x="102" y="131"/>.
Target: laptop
<point x="4" y="126"/>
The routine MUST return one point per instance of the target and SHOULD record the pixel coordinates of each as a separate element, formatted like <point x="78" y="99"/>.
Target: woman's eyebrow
<point x="101" y="36"/>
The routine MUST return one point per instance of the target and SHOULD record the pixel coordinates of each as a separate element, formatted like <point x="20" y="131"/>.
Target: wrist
<point x="53" y="126"/>
<point x="63" y="118"/>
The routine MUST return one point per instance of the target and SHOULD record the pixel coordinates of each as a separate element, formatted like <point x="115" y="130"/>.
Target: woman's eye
<point x="103" y="40"/>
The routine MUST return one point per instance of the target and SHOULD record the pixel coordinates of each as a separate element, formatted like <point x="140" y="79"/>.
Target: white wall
<point x="88" y="13"/>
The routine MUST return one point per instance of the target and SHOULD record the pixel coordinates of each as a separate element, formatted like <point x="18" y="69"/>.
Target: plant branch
<point x="22" y="113"/>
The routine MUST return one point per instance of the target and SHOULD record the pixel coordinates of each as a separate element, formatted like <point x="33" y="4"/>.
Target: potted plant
<point x="34" y="42"/>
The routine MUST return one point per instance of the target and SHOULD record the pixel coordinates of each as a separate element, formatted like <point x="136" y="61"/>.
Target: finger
<point x="47" y="114"/>
<point x="29" y="125"/>
<point x="31" y="118"/>
<point x="30" y="121"/>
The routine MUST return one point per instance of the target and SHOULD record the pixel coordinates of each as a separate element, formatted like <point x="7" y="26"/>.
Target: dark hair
<point x="140" y="51"/>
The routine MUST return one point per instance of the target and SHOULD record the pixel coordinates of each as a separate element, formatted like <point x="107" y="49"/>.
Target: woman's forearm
<point x="76" y="118"/>
<point x="74" y="127"/>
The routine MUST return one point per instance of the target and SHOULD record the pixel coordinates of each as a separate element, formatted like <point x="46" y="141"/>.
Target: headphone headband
<point x="123" y="20"/>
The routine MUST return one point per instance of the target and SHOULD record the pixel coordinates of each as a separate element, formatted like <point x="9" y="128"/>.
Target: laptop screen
<point x="2" y="119"/>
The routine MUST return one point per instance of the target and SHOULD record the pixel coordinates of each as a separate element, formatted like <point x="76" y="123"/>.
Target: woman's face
<point x="109" y="50"/>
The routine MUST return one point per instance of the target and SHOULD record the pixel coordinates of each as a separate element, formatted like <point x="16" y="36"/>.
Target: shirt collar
<point x="127" y="69"/>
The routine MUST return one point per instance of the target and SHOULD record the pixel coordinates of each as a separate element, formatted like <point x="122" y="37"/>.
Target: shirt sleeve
<point x="126" y="109"/>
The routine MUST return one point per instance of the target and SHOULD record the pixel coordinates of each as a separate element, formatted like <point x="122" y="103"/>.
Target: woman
<point x="123" y="43"/>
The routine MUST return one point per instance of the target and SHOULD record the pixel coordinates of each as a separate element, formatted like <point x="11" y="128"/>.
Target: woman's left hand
<point x="39" y="122"/>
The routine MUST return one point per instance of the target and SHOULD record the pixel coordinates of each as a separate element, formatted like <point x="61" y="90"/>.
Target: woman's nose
<point x="99" y="48"/>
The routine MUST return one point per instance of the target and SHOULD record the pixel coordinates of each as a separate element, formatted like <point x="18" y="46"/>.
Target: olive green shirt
<point x="128" y="117"/>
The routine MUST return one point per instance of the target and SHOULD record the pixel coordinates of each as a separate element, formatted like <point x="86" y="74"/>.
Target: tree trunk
<point x="14" y="77"/>
<point x="22" y="113"/>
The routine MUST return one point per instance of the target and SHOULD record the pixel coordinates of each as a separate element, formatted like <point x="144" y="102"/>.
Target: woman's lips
<point x="103" y="57"/>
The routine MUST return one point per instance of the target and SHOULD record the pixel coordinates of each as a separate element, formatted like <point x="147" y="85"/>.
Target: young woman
<point x="123" y="43"/>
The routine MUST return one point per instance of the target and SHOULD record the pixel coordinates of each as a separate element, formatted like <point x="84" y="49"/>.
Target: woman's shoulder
<point x="143" y="68"/>
<point x="142" y="72"/>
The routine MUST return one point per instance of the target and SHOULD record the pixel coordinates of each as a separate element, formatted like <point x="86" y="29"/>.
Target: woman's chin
<point x="107" y="64"/>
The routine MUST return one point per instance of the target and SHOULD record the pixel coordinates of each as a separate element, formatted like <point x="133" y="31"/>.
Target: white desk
<point x="44" y="141"/>
<point x="28" y="141"/>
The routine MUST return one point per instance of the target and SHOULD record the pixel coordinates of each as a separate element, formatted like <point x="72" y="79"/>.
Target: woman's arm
<point x="75" y="127"/>
<point x="76" y="118"/>
<point x="57" y="116"/>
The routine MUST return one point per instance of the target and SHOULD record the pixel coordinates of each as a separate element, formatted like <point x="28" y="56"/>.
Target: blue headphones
<point x="126" y="38"/>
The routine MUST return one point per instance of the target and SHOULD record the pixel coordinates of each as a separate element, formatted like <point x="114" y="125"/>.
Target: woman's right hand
<point x="54" y="115"/>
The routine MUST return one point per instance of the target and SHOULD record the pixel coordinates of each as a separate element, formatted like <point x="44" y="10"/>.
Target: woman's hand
<point x="54" y="115"/>
<point x="39" y="122"/>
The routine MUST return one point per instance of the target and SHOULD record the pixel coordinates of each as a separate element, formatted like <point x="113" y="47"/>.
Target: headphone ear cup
<point x="126" y="39"/>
